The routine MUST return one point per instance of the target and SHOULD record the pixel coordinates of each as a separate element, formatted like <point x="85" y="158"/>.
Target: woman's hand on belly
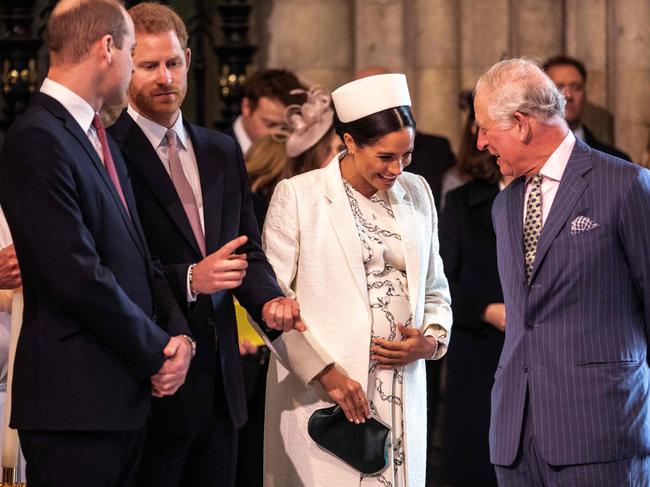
<point x="414" y="346"/>
<point x="345" y="392"/>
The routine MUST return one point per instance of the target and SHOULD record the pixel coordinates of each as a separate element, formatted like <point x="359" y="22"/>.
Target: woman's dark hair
<point x="369" y="129"/>
<point x="473" y="163"/>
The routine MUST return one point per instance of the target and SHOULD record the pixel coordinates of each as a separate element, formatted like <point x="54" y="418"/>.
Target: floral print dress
<point x="383" y="258"/>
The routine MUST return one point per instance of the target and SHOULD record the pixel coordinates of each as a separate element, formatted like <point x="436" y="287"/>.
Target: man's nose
<point x="481" y="141"/>
<point x="164" y="76"/>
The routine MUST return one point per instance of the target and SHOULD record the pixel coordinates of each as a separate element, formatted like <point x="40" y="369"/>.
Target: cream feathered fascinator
<point x="306" y="124"/>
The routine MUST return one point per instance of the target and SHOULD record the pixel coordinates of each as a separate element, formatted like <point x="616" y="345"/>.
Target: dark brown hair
<point x="154" y="18"/>
<point x="473" y="163"/>
<point x="566" y="61"/>
<point x="371" y="128"/>
<point x="275" y="84"/>
<point x="71" y="32"/>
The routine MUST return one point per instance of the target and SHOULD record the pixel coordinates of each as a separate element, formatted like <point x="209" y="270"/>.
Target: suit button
<point x="209" y="322"/>
<point x="530" y="325"/>
<point x="525" y="369"/>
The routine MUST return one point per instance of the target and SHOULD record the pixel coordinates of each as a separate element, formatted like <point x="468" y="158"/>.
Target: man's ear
<point x="106" y="47"/>
<point x="188" y="57"/>
<point x="246" y="107"/>
<point x="524" y="128"/>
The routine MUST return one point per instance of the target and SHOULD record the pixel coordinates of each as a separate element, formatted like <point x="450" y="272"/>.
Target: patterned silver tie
<point x="533" y="223"/>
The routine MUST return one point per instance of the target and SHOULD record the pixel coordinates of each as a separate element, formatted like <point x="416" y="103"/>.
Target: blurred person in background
<point x="305" y="141"/>
<point x="267" y="94"/>
<point x="570" y="77"/>
<point x="468" y="251"/>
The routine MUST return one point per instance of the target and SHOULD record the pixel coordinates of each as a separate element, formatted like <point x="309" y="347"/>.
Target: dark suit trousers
<point x="531" y="470"/>
<point x="208" y="459"/>
<point x="82" y="459"/>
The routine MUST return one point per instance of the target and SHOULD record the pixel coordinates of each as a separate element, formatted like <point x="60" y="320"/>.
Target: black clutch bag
<point x="362" y="446"/>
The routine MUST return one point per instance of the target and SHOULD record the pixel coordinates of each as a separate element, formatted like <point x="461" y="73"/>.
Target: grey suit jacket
<point x="576" y="338"/>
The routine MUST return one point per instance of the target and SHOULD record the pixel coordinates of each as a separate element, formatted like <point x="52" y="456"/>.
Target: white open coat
<point x="311" y="240"/>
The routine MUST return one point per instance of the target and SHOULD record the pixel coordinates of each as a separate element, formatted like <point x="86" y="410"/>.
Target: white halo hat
<point x="365" y="96"/>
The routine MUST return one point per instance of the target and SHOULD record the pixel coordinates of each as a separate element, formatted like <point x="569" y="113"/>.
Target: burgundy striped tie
<point x="108" y="158"/>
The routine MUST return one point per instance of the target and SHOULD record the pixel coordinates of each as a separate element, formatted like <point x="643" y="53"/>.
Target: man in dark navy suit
<point x="570" y="402"/>
<point x="193" y="198"/>
<point x="90" y="353"/>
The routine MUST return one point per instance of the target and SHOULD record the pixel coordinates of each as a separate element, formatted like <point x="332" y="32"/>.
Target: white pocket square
<point x="582" y="224"/>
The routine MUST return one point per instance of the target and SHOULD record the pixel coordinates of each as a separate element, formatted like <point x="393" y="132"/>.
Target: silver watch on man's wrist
<point x="192" y="343"/>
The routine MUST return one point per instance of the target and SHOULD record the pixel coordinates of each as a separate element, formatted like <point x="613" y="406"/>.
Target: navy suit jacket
<point x="577" y="336"/>
<point x="88" y="344"/>
<point x="228" y="213"/>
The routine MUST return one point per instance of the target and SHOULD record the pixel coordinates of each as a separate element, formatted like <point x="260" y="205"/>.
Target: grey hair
<point x="520" y="85"/>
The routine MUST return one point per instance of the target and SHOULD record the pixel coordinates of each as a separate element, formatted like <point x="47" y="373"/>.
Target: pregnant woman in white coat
<point x="356" y="243"/>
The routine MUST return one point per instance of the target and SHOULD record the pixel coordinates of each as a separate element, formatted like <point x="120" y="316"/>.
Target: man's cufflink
<point x="190" y="280"/>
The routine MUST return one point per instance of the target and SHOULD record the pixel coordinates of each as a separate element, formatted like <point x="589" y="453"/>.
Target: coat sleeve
<point x="437" y="300"/>
<point x="41" y="201"/>
<point x="299" y="352"/>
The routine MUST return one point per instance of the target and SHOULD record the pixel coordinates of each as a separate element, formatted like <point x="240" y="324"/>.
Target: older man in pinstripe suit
<point x="570" y="399"/>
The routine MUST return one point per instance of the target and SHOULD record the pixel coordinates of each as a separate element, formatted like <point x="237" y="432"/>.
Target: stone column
<point x="485" y="31"/>
<point x="380" y="34"/>
<point x="314" y="38"/>
<point x="537" y="27"/>
<point x="435" y="81"/>
<point x="630" y="73"/>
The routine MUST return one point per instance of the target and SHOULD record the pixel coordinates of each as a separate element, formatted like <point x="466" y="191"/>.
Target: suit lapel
<point x="402" y="206"/>
<point x="571" y="188"/>
<point x="73" y="127"/>
<point x="143" y="158"/>
<point x="342" y="221"/>
<point x="514" y="223"/>
<point x="208" y="156"/>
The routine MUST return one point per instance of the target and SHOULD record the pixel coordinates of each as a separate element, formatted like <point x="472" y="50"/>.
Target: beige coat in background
<point x="311" y="240"/>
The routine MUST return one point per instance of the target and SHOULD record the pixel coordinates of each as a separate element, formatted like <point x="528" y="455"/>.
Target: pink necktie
<point x="184" y="190"/>
<point x="108" y="158"/>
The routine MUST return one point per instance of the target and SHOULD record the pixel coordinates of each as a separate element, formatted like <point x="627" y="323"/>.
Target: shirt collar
<point x="79" y="108"/>
<point x="579" y="132"/>
<point x="155" y="132"/>
<point x="244" y="140"/>
<point x="556" y="164"/>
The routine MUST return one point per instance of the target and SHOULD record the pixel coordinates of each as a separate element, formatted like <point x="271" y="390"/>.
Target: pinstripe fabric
<point x="576" y="337"/>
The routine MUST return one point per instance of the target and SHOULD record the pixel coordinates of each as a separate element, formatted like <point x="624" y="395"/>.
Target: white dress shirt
<point x="79" y="108"/>
<point x="552" y="171"/>
<point x="155" y="133"/>
<point x="244" y="140"/>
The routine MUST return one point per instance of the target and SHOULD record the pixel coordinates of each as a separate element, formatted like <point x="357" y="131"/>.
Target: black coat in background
<point x="468" y="250"/>
<point x="594" y="143"/>
<point x="431" y="158"/>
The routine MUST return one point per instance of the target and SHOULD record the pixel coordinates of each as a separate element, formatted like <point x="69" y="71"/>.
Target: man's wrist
<point x="190" y="280"/>
<point x="191" y="342"/>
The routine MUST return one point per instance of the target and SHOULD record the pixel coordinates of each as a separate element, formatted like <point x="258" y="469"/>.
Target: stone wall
<point x="444" y="45"/>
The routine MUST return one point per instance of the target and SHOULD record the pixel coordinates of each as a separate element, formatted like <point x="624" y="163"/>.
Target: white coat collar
<point x="345" y="228"/>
